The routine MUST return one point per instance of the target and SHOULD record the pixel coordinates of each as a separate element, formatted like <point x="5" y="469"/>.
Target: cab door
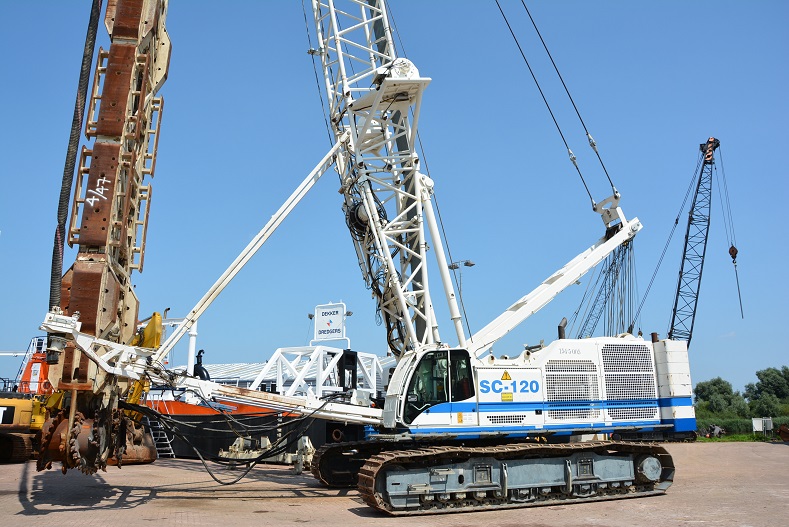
<point x="462" y="393"/>
<point x="426" y="401"/>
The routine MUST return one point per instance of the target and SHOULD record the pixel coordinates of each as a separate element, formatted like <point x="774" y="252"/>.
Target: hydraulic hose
<point x="55" y="282"/>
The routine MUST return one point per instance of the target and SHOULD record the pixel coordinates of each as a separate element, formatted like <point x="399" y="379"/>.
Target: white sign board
<point x="330" y="322"/>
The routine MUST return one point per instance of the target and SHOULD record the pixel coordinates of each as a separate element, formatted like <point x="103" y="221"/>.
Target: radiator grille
<point x="567" y="381"/>
<point x="569" y="366"/>
<point x="627" y="358"/>
<point x="629" y="376"/>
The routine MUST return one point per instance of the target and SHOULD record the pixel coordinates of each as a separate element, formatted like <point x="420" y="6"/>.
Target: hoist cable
<point x="723" y="208"/>
<point x="592" y="142"/>
<point x="586" y="302"/>
<point x="668" y="242"/>
<point x="545" y="100"/>
<point x="634" y="288"/>
<point x="728" y="222"/>
<point x="727" y="210"/>
<point x="317" y="79"/>
<point x="739" y="295"/>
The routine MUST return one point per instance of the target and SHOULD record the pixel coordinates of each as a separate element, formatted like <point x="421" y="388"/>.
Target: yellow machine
<point x="22" y="416"/>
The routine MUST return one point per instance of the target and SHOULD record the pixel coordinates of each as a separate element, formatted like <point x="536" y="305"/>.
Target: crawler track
<point x="338" y="464"/>
<point x="371" y="481"/>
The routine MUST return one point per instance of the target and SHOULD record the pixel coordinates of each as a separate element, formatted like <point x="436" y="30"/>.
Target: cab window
<point x="436" y="379"/>
<point x="460" y="378"/>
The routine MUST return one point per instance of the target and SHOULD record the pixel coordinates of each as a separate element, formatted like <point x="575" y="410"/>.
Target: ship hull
<point x="211" y="429"/>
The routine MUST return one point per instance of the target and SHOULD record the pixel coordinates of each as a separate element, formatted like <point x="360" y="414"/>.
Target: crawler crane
<point x="460" y="430"/>
<point x="454" y="417"/>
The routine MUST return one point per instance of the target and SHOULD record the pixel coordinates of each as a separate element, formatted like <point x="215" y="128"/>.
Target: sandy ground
<point x="716" y="484"/>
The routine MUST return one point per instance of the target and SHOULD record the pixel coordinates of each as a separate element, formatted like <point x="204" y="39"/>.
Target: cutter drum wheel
<point x="73" y="456"/>
<point x="49" y="448"/>
<point x="95" y="441"/>
<point x="86" y="442"/>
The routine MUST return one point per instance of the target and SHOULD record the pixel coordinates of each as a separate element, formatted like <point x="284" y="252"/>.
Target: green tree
<point x="771" y="381"/>
<point x="717" y="397"/>
<point x="705" y="390"/>
<point x="767" y="405"/>
<point x="739" y="406"/>
<point x="718" y="404"/>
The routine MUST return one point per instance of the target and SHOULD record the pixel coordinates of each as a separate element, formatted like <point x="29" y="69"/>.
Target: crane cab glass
<point x="439" y="377"/>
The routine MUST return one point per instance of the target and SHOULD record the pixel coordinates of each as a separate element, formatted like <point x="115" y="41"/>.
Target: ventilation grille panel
<point x="630" y="378"/>
<point x="567" y="381"/>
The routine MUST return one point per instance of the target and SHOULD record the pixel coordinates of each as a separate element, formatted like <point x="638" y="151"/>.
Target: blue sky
<point x="243" y="125"/>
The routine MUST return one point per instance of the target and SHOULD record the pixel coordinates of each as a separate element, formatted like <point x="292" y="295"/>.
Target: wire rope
<point x="728" y="222"/>
<point x="317" y="78"/>
<point x="592" y="142"/>
<point x="56" y="274"/>
<point x="696" y="173"/>
<point x="547" y="105"/>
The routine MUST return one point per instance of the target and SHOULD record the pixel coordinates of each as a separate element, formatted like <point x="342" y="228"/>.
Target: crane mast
<point x="684" y="313"/>
<point x="376" y="96"/>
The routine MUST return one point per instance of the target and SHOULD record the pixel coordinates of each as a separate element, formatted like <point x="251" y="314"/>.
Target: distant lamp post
<point x="455" y="266"/>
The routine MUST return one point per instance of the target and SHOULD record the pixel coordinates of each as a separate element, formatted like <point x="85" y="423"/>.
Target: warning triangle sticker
<point x="506" y="376"/>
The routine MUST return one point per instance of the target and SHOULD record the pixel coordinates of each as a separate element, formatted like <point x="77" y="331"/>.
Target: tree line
<point x="767" y="397"/>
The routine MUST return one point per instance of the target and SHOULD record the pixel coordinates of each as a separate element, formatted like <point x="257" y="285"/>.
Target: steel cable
<point x="545" y="100"/>
<point x="56" y="276"/>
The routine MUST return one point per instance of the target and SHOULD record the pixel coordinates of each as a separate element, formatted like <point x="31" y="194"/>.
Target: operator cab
<point x="441" y="376"/>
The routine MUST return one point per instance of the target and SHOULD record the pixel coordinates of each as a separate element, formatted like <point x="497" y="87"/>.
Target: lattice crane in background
<point x="686" y="301"/>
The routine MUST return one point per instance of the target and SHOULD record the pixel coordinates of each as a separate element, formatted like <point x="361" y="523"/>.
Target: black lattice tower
<point x="684" y="313"/>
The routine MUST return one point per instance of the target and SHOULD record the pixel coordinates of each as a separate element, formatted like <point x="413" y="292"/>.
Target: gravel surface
<point x="716" y="484"/>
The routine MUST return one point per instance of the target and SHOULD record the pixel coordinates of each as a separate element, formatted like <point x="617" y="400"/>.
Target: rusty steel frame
<point x="111" y="201"/>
